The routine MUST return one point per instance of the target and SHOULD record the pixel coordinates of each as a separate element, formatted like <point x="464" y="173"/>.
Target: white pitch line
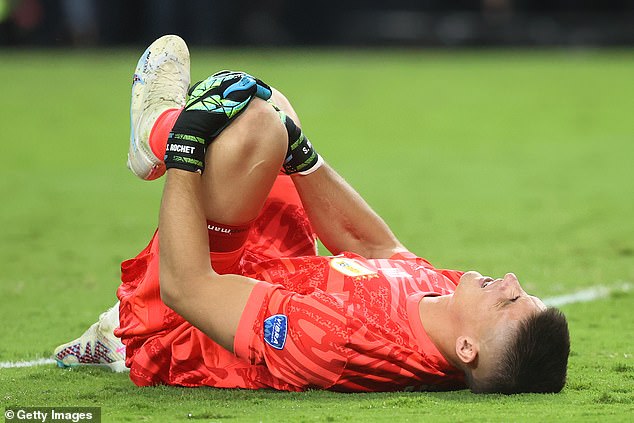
<point x="583" y="296"/>
<point x="587" y="295"/>
<point x="32" y="363"/>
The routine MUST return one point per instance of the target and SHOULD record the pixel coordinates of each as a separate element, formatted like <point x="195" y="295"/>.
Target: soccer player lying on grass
<point x="241" y="299"/>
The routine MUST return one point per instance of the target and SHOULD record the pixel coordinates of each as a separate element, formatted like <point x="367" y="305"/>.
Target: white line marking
<point x="583" y="296"/>
<point x="587" y="295"/>
<point x="15" y="364"/>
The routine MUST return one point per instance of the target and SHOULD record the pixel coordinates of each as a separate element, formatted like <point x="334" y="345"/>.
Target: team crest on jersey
<point x="350" y="267"/>
<point x="275" y="328"/>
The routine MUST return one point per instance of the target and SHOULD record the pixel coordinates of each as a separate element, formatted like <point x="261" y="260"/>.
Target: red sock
<point x="161" y="129"/>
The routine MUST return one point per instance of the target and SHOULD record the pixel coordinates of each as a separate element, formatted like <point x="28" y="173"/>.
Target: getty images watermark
<point x="52" y="414"/>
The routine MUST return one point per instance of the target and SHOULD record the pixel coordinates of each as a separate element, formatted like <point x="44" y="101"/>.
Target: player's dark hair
<point x="536" y="360"/>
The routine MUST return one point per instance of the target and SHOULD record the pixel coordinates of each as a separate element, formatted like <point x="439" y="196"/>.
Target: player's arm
<point x="342" y="218"/>
<point x="211" y="302"/>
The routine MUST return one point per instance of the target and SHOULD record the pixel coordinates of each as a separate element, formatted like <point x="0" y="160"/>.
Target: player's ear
<point x="466" y="349"/>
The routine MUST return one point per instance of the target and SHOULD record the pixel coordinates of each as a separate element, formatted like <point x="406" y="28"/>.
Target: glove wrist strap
<point x="186" y="152"/>
<point x="316" y="165"/>
<point x="301" y="157"/>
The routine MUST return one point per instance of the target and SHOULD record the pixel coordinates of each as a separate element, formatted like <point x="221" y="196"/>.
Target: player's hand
<point x="217" y="100"/>
<point x="212" y="105"/>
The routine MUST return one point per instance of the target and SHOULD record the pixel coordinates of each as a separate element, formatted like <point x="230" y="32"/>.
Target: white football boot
<point x="160" y="82"/>
<point x="96" y="347"/>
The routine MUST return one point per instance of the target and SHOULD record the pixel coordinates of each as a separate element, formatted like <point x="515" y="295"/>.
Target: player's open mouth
<point x="486" y="282"/>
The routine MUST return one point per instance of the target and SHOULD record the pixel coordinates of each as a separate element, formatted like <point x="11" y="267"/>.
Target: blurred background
<point x="459" y="23"/>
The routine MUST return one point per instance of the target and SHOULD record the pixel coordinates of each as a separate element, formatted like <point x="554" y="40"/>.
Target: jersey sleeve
<point x="300" y="338"/>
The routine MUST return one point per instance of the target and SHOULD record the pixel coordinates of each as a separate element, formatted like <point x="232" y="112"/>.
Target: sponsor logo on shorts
<point x="350" y="267"/>
<point x="275" y="328"/>
<point x="219" y="229"/>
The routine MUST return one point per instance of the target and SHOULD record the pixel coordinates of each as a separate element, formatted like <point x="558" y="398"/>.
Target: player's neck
<point x="435" y="315"/>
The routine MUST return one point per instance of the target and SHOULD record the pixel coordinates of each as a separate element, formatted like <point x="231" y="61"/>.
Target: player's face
<point x="488" y="307"/>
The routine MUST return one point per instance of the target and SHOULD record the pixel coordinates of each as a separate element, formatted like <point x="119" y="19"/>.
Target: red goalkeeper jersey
<point x="343" y="323"/>
<point x="346" y="323"/>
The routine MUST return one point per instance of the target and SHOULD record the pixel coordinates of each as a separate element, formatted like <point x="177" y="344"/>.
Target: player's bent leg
<point x="242" y="165"/>
<point x="98" y="346"/>
<point x="159" y="90"/>
<point x="282" y="229"/>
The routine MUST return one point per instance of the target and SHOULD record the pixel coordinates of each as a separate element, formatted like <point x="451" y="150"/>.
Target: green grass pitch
<point x="492" y="160"/>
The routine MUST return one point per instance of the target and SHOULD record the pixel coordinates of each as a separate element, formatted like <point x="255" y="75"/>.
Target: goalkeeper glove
<point x="212" y="105"/>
